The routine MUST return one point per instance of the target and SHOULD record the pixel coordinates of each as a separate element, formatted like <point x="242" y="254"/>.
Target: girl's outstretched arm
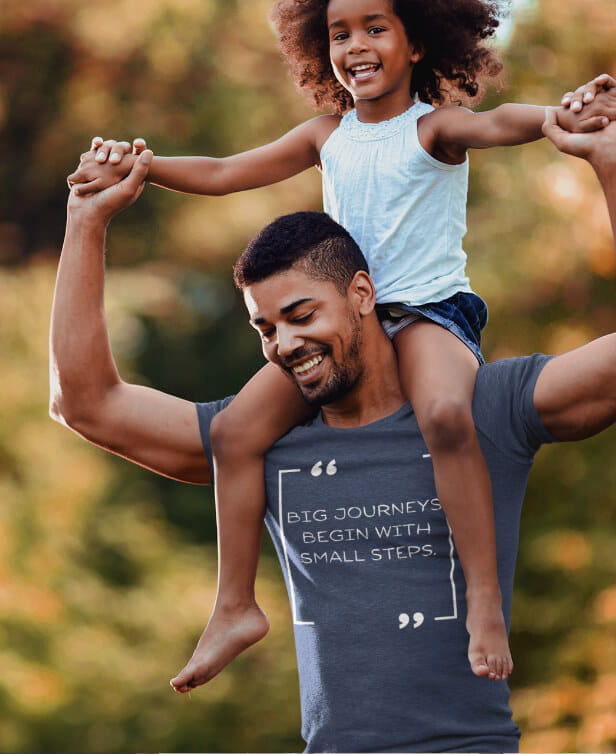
<point x="292" y="153"/>
<point x="449" y="131"/>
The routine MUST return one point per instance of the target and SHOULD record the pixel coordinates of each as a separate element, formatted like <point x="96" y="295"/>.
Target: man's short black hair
<point x="310" y="241"/>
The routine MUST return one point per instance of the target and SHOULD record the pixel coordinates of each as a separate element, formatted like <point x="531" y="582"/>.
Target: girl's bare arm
<point x="449" y="131"/>
<point x="292" y="153"/>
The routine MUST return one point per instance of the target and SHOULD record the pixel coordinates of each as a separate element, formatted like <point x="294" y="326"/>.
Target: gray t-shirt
<point x="374" y="582"/>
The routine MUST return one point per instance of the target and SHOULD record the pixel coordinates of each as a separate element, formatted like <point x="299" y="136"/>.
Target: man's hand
<point x="603" y="103"/>
<point x="592" y="107"/>
<point x="106" y="163"/>
<point x="113" y="199"/>
<point x="586" y="93"/>
<point x="597" y="147"/>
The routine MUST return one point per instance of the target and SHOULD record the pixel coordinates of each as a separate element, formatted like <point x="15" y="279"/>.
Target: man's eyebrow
<point x="370" y="17"/>
<point x="293" y="305"/>
<point x="285" y="310"/>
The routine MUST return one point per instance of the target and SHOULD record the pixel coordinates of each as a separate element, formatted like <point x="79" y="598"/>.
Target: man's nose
<point x="289" y="341"/>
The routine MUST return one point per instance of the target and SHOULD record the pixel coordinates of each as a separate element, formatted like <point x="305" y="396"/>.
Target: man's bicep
<point x="152" y="429"/>
<point x="575" y="394"/>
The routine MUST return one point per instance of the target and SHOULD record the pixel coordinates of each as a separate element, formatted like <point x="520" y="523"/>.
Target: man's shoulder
<point x="208" y="409"/>
<point x="509" y="373"/>
<point x="503" y="410"/>
<point x="205" y="414"/>
<point x="503" y="404"/>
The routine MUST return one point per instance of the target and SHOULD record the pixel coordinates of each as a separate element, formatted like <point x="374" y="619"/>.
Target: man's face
<point x="310" y="331"/>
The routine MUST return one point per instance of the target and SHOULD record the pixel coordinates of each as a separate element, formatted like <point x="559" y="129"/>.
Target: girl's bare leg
<point x="264" y="410"/>
<point x="438" y="373"/>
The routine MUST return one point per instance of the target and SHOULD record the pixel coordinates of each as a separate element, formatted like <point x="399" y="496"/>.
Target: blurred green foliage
<point x="108" y="572"/>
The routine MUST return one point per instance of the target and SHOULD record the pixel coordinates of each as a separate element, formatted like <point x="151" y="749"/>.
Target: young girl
<point x="395" y="175"/>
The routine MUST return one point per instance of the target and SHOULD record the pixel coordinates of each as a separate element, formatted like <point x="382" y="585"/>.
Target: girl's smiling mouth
<point x="361" y="71"/>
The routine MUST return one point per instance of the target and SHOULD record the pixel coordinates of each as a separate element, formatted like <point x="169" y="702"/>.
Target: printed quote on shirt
<point x="336" y="528"/>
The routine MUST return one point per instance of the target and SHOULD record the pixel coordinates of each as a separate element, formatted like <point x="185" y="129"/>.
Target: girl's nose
<point x="357" y="43"/>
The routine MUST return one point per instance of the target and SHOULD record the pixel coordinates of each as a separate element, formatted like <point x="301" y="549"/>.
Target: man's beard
<point x="344" y="375"/>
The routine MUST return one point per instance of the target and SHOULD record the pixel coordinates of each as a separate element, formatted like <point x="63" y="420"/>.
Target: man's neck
<point x="377" y="394"/>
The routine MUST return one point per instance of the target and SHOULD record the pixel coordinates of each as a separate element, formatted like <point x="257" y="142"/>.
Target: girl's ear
<point x="416" y="52"/>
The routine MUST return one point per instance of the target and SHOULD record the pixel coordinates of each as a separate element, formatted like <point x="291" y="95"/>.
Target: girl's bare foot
<point x="488" y="648"/>
<point x="228" y="633"/>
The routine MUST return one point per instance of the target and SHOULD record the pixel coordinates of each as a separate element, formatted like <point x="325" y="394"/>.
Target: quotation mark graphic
<point x="404" y="618"/>
<point x="330" y="469"/>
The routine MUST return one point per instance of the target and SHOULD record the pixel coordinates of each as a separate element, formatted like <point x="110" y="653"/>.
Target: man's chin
<point x="312" y="395"/>
<point x="315" y="394"/>
<point x="322" y="395"/>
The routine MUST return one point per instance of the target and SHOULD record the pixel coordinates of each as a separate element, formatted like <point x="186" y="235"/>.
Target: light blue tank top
<point x="405" y="209"/>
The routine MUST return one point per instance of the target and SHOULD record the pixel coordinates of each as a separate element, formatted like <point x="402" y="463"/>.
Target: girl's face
<point x="371" y="55"/>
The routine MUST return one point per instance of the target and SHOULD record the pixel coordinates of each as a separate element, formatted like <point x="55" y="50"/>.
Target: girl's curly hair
<point x="451" y="33"/>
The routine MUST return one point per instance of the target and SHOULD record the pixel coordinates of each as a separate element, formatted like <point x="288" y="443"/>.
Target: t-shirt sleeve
<point x="504" y="405"/>
<point x="205" y="413"/>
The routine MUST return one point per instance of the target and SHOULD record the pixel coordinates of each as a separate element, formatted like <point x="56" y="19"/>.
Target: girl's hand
<point x="585" y="94"/>
<point x="114" y="151"/>
<point x="104" y="204"/>
<point x="107" y="163"/>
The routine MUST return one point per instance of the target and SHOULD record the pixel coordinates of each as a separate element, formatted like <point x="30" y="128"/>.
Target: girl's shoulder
<point x="433" y="129"/>
<point x="323" y="126"/>
<point x="439" y="114"/>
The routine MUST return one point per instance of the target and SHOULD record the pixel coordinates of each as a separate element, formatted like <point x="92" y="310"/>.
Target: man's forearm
<point x="82" y="366"/>
<point x="606" y="172"/>
<point x="602" y="157"/>
<point x="144" y="425"/>
<point x="598" y="148"/>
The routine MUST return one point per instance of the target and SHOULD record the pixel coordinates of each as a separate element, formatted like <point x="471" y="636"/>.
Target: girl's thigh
<point x="434" y="364"/>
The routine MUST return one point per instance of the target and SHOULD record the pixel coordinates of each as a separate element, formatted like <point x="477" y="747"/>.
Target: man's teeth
<point x="301" y="368"/>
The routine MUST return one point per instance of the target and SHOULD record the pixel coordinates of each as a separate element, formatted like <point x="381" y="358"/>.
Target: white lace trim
<point x="360" y="131"/>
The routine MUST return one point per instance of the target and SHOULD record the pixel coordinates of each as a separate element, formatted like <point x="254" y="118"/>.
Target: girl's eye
<point x="341" y="36"/>
<point x="375" y="29"/>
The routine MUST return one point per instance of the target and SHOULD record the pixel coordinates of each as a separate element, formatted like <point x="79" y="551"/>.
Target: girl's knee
<point x="448" y="423"/>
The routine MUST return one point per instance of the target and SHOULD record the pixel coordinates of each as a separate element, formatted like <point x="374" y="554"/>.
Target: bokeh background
<point x="107" y="572"/>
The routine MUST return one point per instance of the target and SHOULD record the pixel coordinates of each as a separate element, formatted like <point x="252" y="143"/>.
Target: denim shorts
<point x="464" y="314"/>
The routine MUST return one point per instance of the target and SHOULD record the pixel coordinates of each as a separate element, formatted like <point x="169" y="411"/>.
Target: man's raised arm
<point x="88" y="395"/>
<point x="575" y="394"/>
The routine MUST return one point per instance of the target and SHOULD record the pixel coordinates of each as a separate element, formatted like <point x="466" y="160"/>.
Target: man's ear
<point x="361" y="290"/>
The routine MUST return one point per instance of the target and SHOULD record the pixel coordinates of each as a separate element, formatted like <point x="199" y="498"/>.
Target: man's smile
<point x="308" y="365"/>
<point x="307" y="368"/>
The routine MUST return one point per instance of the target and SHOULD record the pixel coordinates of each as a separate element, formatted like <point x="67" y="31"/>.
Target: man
<point x="375" y="587"/>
